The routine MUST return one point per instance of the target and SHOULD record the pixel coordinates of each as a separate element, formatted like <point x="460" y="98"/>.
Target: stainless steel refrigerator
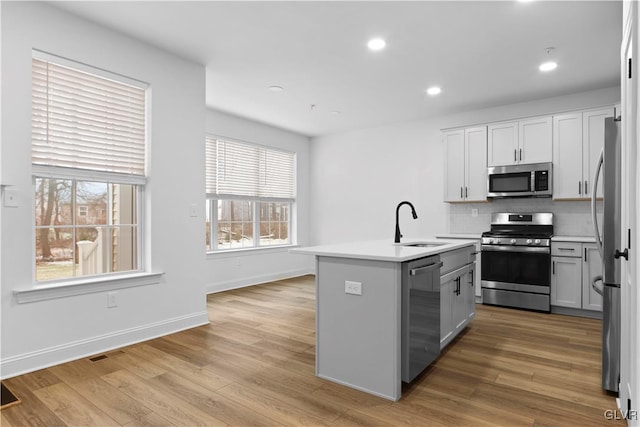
<point x="608" y="245"/>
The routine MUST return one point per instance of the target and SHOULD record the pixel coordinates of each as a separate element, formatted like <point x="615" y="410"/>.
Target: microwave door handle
<point x="533" y="181"/>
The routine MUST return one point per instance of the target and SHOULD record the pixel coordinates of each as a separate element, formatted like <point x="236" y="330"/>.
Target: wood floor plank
<point x="254" y="364"/>
<point x="72" y="407"/>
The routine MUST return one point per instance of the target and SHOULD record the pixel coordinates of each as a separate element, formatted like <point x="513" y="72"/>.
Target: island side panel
<point x="358" y="341"/>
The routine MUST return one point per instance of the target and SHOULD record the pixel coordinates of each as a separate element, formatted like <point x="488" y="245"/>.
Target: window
<point x="250" y="195"/>
<point x="88" y="162"/>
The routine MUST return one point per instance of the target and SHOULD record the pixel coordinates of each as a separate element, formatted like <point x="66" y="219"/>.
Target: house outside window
<point x="88" y="165"/>
<point x="250" y="195"/>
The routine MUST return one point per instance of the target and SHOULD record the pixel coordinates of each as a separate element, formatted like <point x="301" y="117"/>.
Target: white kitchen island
<point x="359" y="300"/>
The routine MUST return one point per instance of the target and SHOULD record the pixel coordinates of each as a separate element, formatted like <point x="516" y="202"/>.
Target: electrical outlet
<point x="353" y="288"/>
<point x="474" y="212"/>
<point x="10" y="198"/>
<point x="193" y="210"/>
<point x="111" y="300"/>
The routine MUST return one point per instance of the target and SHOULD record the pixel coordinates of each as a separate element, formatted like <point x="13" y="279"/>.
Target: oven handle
<point x="487" y="248"/>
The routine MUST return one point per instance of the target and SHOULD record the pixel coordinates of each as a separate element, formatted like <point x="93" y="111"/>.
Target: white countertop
<point x="579" y="239"/>
<point x="384" y="250"/>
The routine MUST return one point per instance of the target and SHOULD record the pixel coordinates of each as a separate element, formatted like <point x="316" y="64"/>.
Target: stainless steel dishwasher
<point x="420" y="315"/>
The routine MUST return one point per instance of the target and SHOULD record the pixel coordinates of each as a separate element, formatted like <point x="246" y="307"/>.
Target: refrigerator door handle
<point x="593" y="285"/>
<point x="594" y="217"/>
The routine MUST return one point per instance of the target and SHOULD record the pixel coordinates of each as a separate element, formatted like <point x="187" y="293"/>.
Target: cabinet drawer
<point x="456" y="259"/>
<point x="571" y="249"/>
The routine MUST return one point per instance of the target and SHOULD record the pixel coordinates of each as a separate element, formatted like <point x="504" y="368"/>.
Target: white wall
<point x="358" y="178"/>
<point x="43" y="333"/>
<point x="241" y="268"/>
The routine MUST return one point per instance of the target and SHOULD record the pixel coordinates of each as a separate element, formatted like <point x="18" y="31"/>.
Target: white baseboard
<point x="212" y="288"/>
<point x="29" y="362"/>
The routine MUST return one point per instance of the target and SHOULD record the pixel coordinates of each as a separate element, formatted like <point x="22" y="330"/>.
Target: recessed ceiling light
<point x="335" y="112"/>
<point x="376" y="44"/>
<point x="548" y="66"/>
<point x="276" y="88"/>
<point x="434" y="90"/>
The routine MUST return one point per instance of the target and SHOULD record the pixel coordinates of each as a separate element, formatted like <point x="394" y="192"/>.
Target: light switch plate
<point x="353" y="288"/>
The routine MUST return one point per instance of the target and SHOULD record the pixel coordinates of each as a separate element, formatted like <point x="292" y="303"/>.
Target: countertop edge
<point x="352" y="251"/>
<point x="579" y="239"/>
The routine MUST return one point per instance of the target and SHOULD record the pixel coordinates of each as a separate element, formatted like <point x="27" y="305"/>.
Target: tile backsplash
<point x="570" y="218"/>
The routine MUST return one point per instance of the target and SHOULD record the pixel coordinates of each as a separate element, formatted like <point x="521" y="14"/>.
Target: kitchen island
<point x="362" y="301"/>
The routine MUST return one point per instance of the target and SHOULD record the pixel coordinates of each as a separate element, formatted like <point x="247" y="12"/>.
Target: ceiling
<point x="482" y="54"/>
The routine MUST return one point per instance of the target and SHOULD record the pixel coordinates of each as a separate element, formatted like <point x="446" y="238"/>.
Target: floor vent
<point x="97" y="358"/>
<point x="7" y="397"/>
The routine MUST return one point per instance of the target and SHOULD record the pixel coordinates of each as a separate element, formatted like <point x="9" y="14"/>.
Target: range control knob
<point x="497" y="241"/>
<point x="513" y="241"/>
<point x="537" y="242"/>
<point x="529" y="241"/>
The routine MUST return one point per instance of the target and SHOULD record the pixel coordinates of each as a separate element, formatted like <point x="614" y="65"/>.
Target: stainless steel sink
<point x="422" y="244"/>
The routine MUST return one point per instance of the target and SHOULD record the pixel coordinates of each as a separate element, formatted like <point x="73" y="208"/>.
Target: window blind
<point x="242" y="169"/>
<point x="86" y="121"/>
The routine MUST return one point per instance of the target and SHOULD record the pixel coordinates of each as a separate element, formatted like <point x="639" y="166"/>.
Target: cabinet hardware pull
<point x="515" y="155"/>
<point x="521" y="154"/>
<point x="471" y="281"/>
<point x="624" y="254"/>
<point x="553" y="267"/>
<point x="420" y="270"/>
<point x="466" y="192"/>
<point x="461" y="196"/>
<point x="566" y="249"/>
<point x="579" y="187"/>
<point x="585" y="254"/>
<point x="585" y="188"/>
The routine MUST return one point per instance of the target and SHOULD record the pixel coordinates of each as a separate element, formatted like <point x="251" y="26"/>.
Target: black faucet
<point x="413" y="212"/>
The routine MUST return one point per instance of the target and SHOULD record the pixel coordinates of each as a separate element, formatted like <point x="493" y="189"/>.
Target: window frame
<point x="55" y="288"/>
<point x="212" y="203"/>
<point x="212" y="199"/>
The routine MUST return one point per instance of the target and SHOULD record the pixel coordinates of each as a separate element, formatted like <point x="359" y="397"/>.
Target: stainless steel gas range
<point x="516" y="261"/>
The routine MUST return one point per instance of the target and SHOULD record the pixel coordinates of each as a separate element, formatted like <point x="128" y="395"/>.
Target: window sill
<point x="87" y="286"/>
<point x="249" y="251"/>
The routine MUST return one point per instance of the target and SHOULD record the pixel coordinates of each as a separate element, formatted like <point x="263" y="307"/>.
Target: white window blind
<point x="86" y="121"/>
<point x="242" y="169"/>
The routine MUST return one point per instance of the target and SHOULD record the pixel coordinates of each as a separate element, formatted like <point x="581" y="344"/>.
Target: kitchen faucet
<point x="413" y="212"/>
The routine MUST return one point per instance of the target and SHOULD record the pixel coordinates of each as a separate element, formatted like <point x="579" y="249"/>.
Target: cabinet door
<point x="567" y="157"/>
<point x="592" y="143"/>
<point x="566" y="282"/>
<point x="446" y="312"/>
<point x="454" y="168"/>
<point x="502" y="144"/>
<point x="535" y="140"/>
<point x="460" y="315"/>
<point x="475" y="145"/>
<point x="591" y="267"/>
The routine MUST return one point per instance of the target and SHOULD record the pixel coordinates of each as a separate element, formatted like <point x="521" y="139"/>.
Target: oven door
<point x="525" y="269"/>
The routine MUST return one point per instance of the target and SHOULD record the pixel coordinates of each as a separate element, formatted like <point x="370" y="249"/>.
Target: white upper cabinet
<point x="535" y="140"/>
<point x="578" y="140"/>
<point x="475" y="163"/>
<point x="454" y="167"/>
<point x="522" y="142"/>
<point x="567" y="156"/>
<point x="466" y="165"/>
<point x="502" y="144"/>
<point x="592" y="143"/>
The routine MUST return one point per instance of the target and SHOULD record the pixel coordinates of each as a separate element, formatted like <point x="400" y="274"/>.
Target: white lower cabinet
<point x="457" y="298"/>
<point x="573" y="266"/>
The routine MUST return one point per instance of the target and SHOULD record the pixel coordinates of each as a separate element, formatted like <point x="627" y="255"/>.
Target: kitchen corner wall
<point x="358" y="177"/>
<point x="233" y="270"/>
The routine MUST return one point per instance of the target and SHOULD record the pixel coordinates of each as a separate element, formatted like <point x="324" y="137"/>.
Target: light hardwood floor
<point x="253" y="365"/>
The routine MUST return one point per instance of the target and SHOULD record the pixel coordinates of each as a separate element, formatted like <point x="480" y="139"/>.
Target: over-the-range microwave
<point x="532" y="180"/>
